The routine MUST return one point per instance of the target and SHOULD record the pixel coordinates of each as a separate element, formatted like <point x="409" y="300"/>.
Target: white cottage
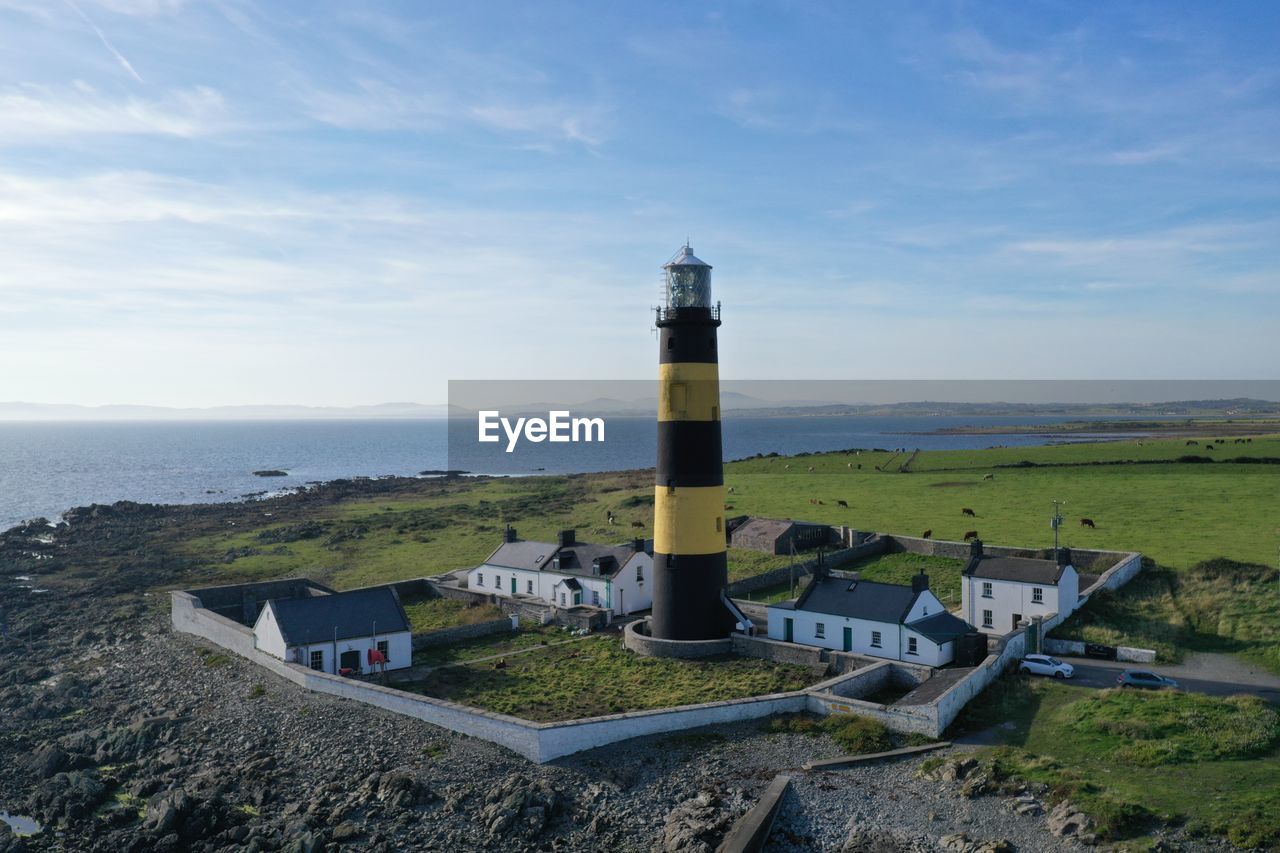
<point x="344" y="631"/>
<point x="997" y="593"/>
<point x="906" y="623"/>
<point x="568" y="573"/>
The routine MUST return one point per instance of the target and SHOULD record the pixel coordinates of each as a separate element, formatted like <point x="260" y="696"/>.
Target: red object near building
<point x="376" y="656"/>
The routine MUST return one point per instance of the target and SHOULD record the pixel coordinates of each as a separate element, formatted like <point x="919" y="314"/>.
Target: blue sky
<point x="354" y="202"/>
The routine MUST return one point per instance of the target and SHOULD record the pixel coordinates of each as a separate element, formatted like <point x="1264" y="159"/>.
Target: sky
<point x="350" y="203"/>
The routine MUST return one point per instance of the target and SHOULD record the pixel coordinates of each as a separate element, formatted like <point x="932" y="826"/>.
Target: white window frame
<point x="562" y="600"/>
<point x="987" y="619"/>
<point x="595" y="598"/>
<point x="987" y="591"/>
<point x="819" y="630"/>
<point x="384" y="646"/>
<point x="479" y="579"/>
<point x="316" y="660"/>
<point x="1037" y="595"/>
<point x="912" y="647"/>
<point x="877" y="640"/>
<point x="529" y="586"/>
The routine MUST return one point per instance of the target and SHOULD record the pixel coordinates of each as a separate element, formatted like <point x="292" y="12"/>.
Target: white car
<point x="1045" y="665"/>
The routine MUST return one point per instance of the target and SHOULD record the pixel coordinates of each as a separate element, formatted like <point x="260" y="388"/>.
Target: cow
<point x="785" y="467"/>
<point x="972" y="534"/>
<point x="859" y="466"/>
<point x="967" y="511"/>
<point x="732" y="490"/>
<point x="637" y="524"/>
<point x="820" y="503"/>
<point x="813" y="501"/>
<point x="850" y="465"/>
<point x="1192" y="443"/>
<point x="1087" y="522"/>
<point x="1208" y="447"/>
<point x="988" y="477"/>
<point x="611" y="519"/>
<point x="844" y="504"/>
<point x="810" y="468"/>
<point x="928" y="534"/>
<point x="728" y="507"/>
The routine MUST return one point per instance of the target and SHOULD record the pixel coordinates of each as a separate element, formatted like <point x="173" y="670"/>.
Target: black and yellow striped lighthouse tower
<point x="690" y="566"/>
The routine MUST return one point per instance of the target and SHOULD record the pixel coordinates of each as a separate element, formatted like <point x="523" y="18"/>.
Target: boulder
<point x="1067" y="821"/>
<point x="46" y="761"/>
<point x="519" y="807"/>
<point x="695" y="826"/>
<point x="66" y="797"/>
<point x="960" y="842"/>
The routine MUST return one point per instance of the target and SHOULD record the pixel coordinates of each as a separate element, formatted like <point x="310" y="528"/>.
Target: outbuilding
<point x="364" y="630"/>
<point x="778" y="535"/>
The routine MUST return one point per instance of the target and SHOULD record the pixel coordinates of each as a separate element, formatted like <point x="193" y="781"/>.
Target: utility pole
<point x="1055" y="523"/>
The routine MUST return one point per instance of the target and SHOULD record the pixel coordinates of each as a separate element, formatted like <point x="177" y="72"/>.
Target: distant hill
<point x="18" y="411"/>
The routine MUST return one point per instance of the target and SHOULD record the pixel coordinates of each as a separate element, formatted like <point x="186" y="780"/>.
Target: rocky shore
<point x="117" y="734"/>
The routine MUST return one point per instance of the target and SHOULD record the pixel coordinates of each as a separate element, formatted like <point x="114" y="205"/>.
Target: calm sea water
<point x="46" y="468"/>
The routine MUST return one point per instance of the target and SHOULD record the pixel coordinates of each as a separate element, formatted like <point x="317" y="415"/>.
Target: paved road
<point x="1215" y="675"/>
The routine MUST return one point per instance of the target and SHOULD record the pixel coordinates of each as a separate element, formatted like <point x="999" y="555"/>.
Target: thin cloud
<point x="34" y="113"/>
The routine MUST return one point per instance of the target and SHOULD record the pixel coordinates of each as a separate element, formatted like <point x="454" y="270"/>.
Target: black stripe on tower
<point x="689" y="454"/>
<point x="686" y="597"/>
<point x="688" y="340"/>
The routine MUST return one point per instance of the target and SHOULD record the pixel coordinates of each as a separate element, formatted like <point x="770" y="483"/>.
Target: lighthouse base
<point x="686" y="597"/>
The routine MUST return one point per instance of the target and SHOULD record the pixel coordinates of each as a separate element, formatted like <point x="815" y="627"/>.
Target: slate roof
<point x="571" y="584"/>
<point x="1021" y="569"/>
<point x="304" y="621"/>
<point x="773" y="527"/>
<point x="871" y="600"/>
<point x="941" y="627"/>
<point x="576" y="559"/>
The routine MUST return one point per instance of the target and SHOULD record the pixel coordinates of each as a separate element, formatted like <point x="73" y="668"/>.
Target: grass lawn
<point x="1125" y="757"/>
<point x="493" y="644"/>
<point x="595" y="676"/>
<point x="434" y="614"/>
<point x="944" y="573"/>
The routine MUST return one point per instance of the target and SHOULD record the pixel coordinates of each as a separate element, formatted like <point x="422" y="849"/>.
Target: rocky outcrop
<point x="695" y="826"/>
<point x="960" y="842"/>
<point x="1067" y="821"/>
<point x="519" y="806"/>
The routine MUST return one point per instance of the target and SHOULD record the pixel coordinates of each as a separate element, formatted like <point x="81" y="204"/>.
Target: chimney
<point x="975" y="548"/>
<point x="567" y="538"/>
<point x="919" y="582"/>
<point x="510" y="534"/>
<point x="637" y="545"/>
<point x="1064" y="556"/>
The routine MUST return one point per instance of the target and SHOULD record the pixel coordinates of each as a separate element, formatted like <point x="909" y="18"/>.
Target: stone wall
<point x="1075" y="648"/>
<point x="780" y="652"/>
<point x="636" y="638"/>
<point x="242" y="601"/>
<point x="457" y="634"/>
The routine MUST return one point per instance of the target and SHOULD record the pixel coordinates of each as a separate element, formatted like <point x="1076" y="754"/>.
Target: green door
<point x="577" y="598"/>
<point x="848" y="639"/>
<point x="788" y="628"/>
<point x="513" y="585"/>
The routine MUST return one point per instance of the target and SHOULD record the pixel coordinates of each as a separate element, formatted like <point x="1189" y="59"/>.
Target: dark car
<point x="1143" y="678"/>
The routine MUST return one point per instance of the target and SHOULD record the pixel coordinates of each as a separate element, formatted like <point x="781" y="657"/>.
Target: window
<point x="875" y="639"/>
<point x="529" y="587"/>
<point x="719" y="522"/>
<point x="986" y="619"/>
<point x="986" y="589"/>
<point x="639" y="574"/>
<point x="317" y="660"/>
<point x="819" y="631"/>
<point x="562" y="599"/>
<point x="1037" y="595"/>
<point x="595" y="598"/>
<point x="497" y="581"/>
<point x="384" y="646"/>
<point x="911" y="646"/>
<point x="479" y="578"/>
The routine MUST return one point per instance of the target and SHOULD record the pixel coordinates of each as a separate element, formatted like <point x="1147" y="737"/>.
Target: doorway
<point x="1017" y="617"/>
<point x="788" y="629"/>
<point x="848" y="639"/>
<point x="350" y="660"/>
<point x="513" y="585"/>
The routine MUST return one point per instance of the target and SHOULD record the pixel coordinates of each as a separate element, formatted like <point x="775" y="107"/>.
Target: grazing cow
<point x="1219" y="441"/>
<point x="972" y="534"/>
<point x="1208" y="447"/>
<point x="844" y="504"/>
<point x="928" y="534"/>
<point x="810" y="467"/>
<point x="1087" y="522"/>
<point x="785" y="467"/>
<point x="988" y="476"/>
<point x="637" y="524"/>
<point x="820" y="503"/>
<point x="850" y="465"/>
<point x="728" y="507"/>
<point x="813" y="501"/>
<point x="1139" y="443"/>
<point x="732" y="490"/>
<point x="502" y="664"/>
<point x="859" y="466"/>
<point x="1192" y="443"/>
<point x="611" y="520"/>
<point x="967" y="511"/>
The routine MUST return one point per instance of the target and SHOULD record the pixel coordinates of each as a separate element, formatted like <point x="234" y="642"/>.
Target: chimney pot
<point x="919" y="582"/>
<point x="975" y="548"/>
<point x="637" y="545"/>
<point x="567" y="538"/>
<point x="510" y="534"/>
<point x="1064" y="556"/>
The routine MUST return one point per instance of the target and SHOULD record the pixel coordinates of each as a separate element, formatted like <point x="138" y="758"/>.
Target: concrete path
<point x="1212" y="674"/>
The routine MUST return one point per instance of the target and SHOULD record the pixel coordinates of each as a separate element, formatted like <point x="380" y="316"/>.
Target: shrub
<point x="796" y="724"/>
<point x="857" y="734"/>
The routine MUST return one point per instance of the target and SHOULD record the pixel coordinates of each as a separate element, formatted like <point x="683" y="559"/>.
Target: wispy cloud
<point x="33" y="113"/>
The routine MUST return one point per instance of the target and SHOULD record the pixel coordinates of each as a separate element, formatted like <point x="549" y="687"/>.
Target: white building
<point x="333" y="633"/>
<point x="883" y="620"/>
<point x="997" y="593"/>
<point x="567" y="573"/>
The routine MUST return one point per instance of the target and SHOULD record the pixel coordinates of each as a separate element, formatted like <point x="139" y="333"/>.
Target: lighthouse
<point x="690" y="565"/>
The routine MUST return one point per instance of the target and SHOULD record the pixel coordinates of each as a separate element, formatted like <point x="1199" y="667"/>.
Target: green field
<point x="494" y="644"/>
<point x="1127" y="758"/>
<point x="595" y="676"/>
<point x="944" y="576"/>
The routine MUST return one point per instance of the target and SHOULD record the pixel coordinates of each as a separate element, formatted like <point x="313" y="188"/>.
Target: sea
<point x="49" y="467"/>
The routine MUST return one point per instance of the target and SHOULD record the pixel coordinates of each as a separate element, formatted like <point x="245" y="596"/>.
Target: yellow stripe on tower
<point x="688" y="520"/>
<point x="689" y="391"/>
